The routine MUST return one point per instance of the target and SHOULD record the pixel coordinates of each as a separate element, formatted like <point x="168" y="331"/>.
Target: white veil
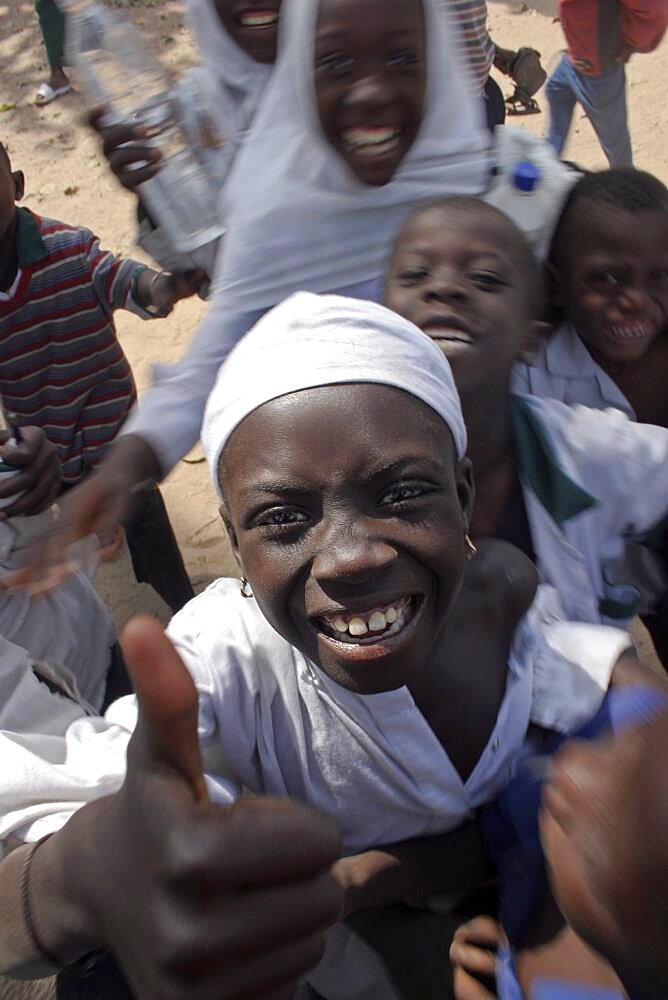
<point x="297" y="217"/>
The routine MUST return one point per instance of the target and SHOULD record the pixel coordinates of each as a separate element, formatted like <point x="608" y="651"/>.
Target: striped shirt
<point x="479" y="49"/>
<point x="61" y="365"/>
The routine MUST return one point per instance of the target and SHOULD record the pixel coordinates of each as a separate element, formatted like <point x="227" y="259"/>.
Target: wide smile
<point x="372" y="633"/>
<point x="372" y="142"/>
<point x="452" y="339"/>
<point x="636" y="330"/>
<point x="258" y="20"/>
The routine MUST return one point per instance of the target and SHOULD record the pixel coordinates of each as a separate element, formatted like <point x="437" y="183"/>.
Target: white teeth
<point x="371" y="141"/>
<point x="456" y="336"/>
<point x="258" y="20"/>
<point x="392" y="619"/>
<point x="630" y="331"/>
<point x="377" y="622"/>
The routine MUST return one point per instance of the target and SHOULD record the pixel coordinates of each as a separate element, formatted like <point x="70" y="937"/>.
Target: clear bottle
<point x="116" y="70"/>
<point x="520" y="194"/>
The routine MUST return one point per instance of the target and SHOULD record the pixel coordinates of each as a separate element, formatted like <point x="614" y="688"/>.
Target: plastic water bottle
<point x="520" y="194"/>
<point x="116" y="70"/>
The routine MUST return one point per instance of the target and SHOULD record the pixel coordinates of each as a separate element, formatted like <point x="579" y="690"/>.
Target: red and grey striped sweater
<point x="61" y="365"/>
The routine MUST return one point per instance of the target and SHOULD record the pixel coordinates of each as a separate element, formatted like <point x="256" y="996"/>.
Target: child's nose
<point x="367" y="93"/>
<point x="446" y="287"/>
<point x="633" y="298"/>
<point x="352" y="557"/>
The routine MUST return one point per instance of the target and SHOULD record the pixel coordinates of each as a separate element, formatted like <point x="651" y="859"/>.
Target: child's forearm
<point x="450" y="862"/>
<point x="40" y="894"/>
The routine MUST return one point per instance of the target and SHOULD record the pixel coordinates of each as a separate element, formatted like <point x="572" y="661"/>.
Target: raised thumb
<point x="167" y="700"/>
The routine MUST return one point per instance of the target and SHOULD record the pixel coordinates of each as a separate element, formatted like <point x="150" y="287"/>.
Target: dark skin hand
<point x="124" y="145"/>
<point x="97" y="505"/>
<point x="38" y="472"/>
<point x="234" y="900"/>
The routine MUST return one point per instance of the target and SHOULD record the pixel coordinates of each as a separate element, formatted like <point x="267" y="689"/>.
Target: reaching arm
<point x="448" y="863"/>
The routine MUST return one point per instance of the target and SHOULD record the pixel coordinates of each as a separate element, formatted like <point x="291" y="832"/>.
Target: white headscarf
<point x="237" y="80"/>
<point x="297" y="217"/>
<point x="317" y="340"/>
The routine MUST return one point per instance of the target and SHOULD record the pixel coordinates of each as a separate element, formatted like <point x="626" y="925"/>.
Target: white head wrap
<point x="317" y="340"/>
<point x="297" y="217"/>
<point x="237" y="80"/>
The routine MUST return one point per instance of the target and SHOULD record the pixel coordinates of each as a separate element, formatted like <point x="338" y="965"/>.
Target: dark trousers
<point x="495" y="106"/>
<point x="52" y="26"/>
<point x="156" y="558"/>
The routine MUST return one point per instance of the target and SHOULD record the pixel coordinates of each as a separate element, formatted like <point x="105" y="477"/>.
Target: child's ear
<point x="231" y="534"/>
<point x="19" y="184"/>
<point x="537" y="332"/>
<point x="466" y="491"/>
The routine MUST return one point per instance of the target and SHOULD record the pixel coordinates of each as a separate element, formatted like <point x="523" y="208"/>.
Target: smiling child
<point x="365" y="666"/>
<point x="567" y="485"/>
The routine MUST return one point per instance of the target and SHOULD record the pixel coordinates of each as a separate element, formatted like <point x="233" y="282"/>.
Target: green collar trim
<point x="539" y="469"/>
<point x="30" y="248"/>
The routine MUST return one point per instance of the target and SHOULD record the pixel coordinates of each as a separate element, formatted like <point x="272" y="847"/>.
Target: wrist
<point x="64" y="884"/>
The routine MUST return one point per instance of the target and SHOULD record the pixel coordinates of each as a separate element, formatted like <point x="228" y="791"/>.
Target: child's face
<point x="604" y="836"/>
<point x="11" y="191"/>
<point x="613" y="280"/>
<point x="344" y="507"/>
<point x="253" y="24"/>
<point x="457" y="275"/>
<point x="370" y="78"/>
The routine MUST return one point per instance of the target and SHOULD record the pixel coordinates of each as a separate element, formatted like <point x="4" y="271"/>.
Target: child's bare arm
<point x="450" y="862"/>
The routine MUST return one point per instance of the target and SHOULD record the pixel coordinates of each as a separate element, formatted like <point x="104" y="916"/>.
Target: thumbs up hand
<point x="195" y="900"/>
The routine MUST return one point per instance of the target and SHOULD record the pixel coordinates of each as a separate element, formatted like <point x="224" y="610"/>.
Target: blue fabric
<point x="510" y="825"/>
<point x="603" y="98"/>
<point x="553" y="989"/>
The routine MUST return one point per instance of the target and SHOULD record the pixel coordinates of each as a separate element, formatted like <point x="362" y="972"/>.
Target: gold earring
<point x="471" y="550"/>
<point x="246" y="588"/>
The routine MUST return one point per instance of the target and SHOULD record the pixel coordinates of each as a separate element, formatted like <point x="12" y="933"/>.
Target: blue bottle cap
<point x="526" y="176"/>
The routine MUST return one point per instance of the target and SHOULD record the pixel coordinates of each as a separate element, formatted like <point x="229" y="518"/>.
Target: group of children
<point x="406" y="652"/>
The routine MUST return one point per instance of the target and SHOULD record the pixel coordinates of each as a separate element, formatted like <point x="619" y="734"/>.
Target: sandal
<point x="46" y="93"/>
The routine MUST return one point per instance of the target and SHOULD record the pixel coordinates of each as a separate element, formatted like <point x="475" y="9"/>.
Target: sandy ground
<point x="66" y="178"/>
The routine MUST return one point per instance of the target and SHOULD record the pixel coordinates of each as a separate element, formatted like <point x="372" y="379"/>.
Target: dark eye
<point x="335" y="64"/>
<point x="412" y="276"/>
<point x="488" y="280"/>
<point x="279" y="517"/>
<point x="403" y="493"/>
<point x="403" y="57"/>
<point x="605" y="280"/>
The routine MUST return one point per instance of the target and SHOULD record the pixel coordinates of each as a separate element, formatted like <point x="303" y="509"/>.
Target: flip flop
<point x="46" y="93"/>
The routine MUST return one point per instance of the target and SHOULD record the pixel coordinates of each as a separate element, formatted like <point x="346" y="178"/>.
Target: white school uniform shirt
<point x="564" y="369"/>
<point x="594" y="482"/>
<point x="271" y="722"/>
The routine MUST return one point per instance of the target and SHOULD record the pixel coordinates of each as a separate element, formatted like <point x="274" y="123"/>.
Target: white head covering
<point x="297" y="217"/>
<point x="237" y="80"/>
<point x="316" y="340"/>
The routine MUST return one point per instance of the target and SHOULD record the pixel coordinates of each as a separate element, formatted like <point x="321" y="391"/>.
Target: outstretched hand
<point x="126" y="148"/>
<point x="194" y="899"/>
<point x="96" y="506"/>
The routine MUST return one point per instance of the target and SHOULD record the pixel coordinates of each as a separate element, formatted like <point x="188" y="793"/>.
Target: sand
<point x="67" y="178"/>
